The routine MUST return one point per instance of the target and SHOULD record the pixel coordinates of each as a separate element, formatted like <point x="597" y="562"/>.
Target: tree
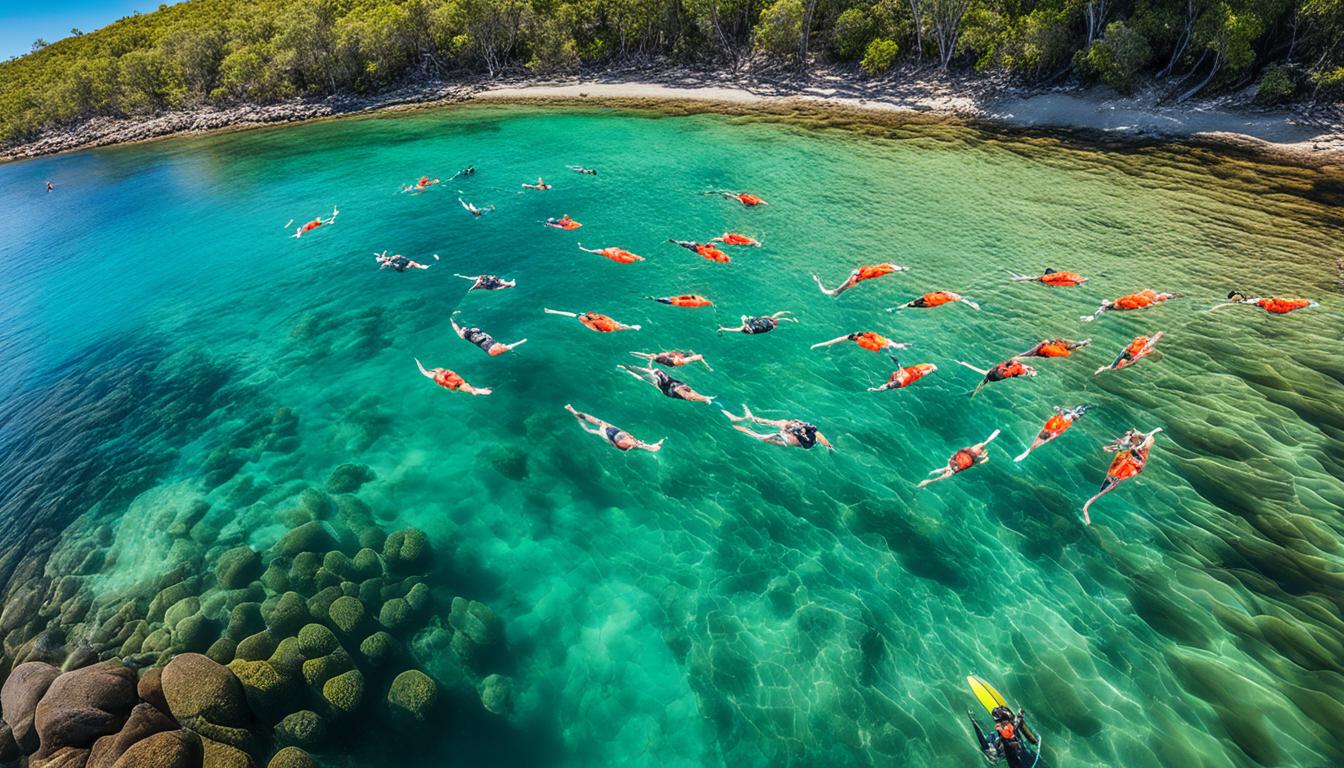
<point x="1117" y="57"/>
<point x="39" y="44"/>
<point x="853" y="30"/>
<point x="945" y="16"/>
<point x="879" y="56"/>
<point x="779" y="32"/>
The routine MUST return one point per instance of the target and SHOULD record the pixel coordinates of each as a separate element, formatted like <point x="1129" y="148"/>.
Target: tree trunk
<point x="1183" y="41"/>
<point x="809" y="9"/>
<point x="1217" y="63"/>
<point x="919" y="28"/>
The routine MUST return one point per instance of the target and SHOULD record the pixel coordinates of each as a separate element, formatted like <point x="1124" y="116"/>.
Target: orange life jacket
<point x="620" y="256"/>
<point x="1054" y="348"/>
<point x="712" y="253"/>
<point x="732" y="238"/>
<point x="1136" y="346"/>
<point x="749" y="199"/>
<point x="1126" y="465"/>
<point x="599" y="323"/>
<point x="689" y="300"/>
<point x="870" y="272"/>
<point x="1062" y="279"/>
<point x="314" y="224"/>
<point x="904" y="377"/>
<point x="937" y="298"/>
<point x="1056" y="424"/>
<point x="447" y="379"/>
<point x="1281" y="306"/>
<point x="962" y="460"/>
<point x="871" y="341"/>
<point x="1138" y="300"/>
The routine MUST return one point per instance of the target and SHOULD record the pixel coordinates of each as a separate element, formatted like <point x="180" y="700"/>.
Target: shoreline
<point x="1281" y="134"/>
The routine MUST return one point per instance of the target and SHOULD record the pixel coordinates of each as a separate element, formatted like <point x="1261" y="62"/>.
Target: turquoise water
<point x="723" y="602"/>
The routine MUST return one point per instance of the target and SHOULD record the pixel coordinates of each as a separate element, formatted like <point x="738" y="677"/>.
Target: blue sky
<point x="22" y="22"/>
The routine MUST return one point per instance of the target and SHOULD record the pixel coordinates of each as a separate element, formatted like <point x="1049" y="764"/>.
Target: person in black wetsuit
<point x="618" y="437"/>
<point x="792" y="432"/>
<point x="484" y="340"/>
<point x="487" y="282"/>
<point x="397" y="262"/>
<point x="762" y="324"/>
<point x="674" y="358"/>
<point x="673" y="388"/>
<point x="1012" y="740"/>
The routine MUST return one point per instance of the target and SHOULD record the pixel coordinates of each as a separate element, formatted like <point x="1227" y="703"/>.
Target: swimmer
<point x="1131" y="456"/>
<point x="733" y="238"/>
<point x="961" y="461"/>
<point x="540" y="186"/>
<point x="470" y="170"/>
<point x="745" y="198"/>
<point x="487" y="282"/>
<point x="904" y="376"/>
<point x="451" y="381"/>
<point x="762" y="324"/>
<point x="399" y="263"/>
<point x="1276" y="305"/>
<point x="564" y="222"/>
<point x="1139" y="348"/>
<point x="483" y="340"/>
<point x="792" y="432"/>
<point x="581" y="169"/>
<point x="50" y="186"/>
<point x="1051" y="277"/>
<point x="1055" y="348"/>
<point x="867" y="272"/>
<point x="673" y="388"/>
<point x="595" y="322"/>
<point x="473" y="210"/>
<point x="1140" y="300"/>
<point x="1008" y="369"/>
<point x="703" y="249"/>
<point x="936" y="299"/>
<point x="1054" y="427"/>
<point x="423" y="184"/>
<point x="618" y="255"/>
<point x="674" y="359"/>
<point x="618" y="437"/>
<point x="684" y="300"/>
<point x="873" y="342"/>
<point x="314" y="224"/>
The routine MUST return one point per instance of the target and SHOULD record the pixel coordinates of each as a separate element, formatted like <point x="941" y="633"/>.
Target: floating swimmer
<point x="473" y="210"/>
<point x="399" y="263"/>
<point x="1012" y="740"/>
<point x="1055" y="348"/>
<point x="1139" y="348"/>
<point x="961" y="461"/>
<point x="745" y="198"/>
<point x="674" y="359"/>
<point x="867" y="272"/>
<point x="673" y="388"/>
<point x="1052" y="278"/>
<point x="873" y="342"/>
<point x="618" y="437"/>
<point x="1008" y="369"/>
<point x="684" y="300"/>
<point x="703" y="249"/>
<point x="1276" y="305"/>
<point x="762" y="324"/>
<point x="1054" y="427"/>
<point x="903" y="377"/>
<point x="733" y="238"/>
<point x="1140" y="300"/>
<point x="451" y="381"/>
<point x="595" y="322"/>
<point x="792" y="432"/>
<point x="1131" y="456"/>
<point x="936" y="299"/>
<point x="483" y="340"/>
<point x="581" y="169"/>
<point x="618" y="255"/>
<point x="314" y="224"/>
<point x="487" y="282"/>
<point x="540" y="186"/>
<point x="564" y="222"/>
<point x="470" y="170"/>
<point x="421" y="185"/>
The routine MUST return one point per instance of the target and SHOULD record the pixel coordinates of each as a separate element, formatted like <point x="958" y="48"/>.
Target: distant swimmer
<point x="595" y="322"/>
<point x="961" y="461"/>
<point x="685" y="300"/>
<point x="703" y="249"/>
<point x="1053" y="278"/>
<point x="483" y="340"/>
<point x="398" y="263"/>
<point x="487" y="282"/>
<point x="733" y="238"/>
<point x="794" y="433"/>
<point x="50" y="186"/>
<point x="564" y="222"/>
<point x="873" y="342"/>
<point x="1131" y="456"/>
<point x="581" y="169"/>
<point x="673" y="359"/>
<point x="540" y="186"/>
<point x="451" y="381"/>
<point x="420" y="185"/>
<point x="618" y="255"/>
<point x="867" y="272"/>
<point x="673" y="388"/>
<point x="1276" y="305"/>
<point x="315" y="223"/>
<point x="1136" y="350"/>
<point x="473" y="210"/>
<point x="1055" y="348"/>
<point x="745" y="198"/>
<point x="618" y="437"/>
<point x="470" y="170"/>
<point x="936" y="299"/>
<point x="761" y="324"/>
<point x="1140" y="300"/>
<point x="1054" y="427"/>
<point x="1008" y="369"/>
<point x="904" y="376"/>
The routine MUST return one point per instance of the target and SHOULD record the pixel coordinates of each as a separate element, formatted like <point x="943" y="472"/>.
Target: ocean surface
<point x="725" y="602"/>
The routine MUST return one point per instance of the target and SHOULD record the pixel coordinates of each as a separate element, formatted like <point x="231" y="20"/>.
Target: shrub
<point x="853" y="30"/>
<point x="1277" y="85"/>
<point x="780" y="29"/>
<point x="1117" y="58"/>
<point x="879" y="56"/>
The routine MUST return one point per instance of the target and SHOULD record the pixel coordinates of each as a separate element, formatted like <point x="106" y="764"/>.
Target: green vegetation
<point x="233" y="51"/>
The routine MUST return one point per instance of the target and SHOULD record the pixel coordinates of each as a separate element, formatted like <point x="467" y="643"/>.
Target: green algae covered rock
<point x="265" y="688"/>
<point x="319" y="605"/>
<point x="316" y="640"/>
<point x="348" y="478"/>
<point x="347" y="614"/>
<point x="406" y="550"/>
<point x="396" y="613"/>
<point x="222" y="651"/>
<point x="309" y="537"/>
<point x="287" y="615"/>
<point x="379" y="649"/>
<point x="207" y="698"/>
<point x="257" y="647"/>
<point x="366" y="564"/>
<point x="412" y="695"/>
<point x="292" y="757"/>
<point x="344" y="691"/>
<point x="418" y="597"/>
<point x="497" y="694"/>
<point x="316" y="672"/>
<point x="237" y="567"/>
<point x="215" y="754"/>
<point x="244" y="620"/>
<point x="303" y="569"/>
<point x="304" y="728"/>
<point x="288" y="659"/>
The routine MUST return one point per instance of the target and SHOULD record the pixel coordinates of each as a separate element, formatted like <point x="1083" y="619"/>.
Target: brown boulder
<point x="84" y="704"/>
<point x="170" y="749"/>
<point x="219" y="755"/>
<point x="150" y="689"/>
<point x="18" y="700"/>
<point x="145" y="721"/>
<point x="207" y="698"/>
<point x="66" y="757"/>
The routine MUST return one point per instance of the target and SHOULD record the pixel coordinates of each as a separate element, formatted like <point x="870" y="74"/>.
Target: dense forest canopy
<point x="230" y="51"/>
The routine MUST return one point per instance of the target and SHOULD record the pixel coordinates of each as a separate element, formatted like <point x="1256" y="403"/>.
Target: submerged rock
<point x="170" y="749"/>
<point x="238" y="567"/>
<point x="216" y="754"/>
<point x="309" y="537"/>
<point x="22" y="691"/>
<point x="406" y="549"/>
<point x="344" y="691"/>
<point x="287" y="615"/>
<point x="292" y="757"/>
<point x="347" y="614"/>
<point x="412" y="695"/>
<point x="207" y="698"/>
<point x="82" y="705"/>
<point x="145" y="721"/>
<point x="497" y="694"/>
<point x="348" y="478"/>
<point x="304" y="728"/>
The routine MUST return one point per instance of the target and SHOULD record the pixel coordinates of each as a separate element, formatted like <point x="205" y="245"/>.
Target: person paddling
<point x="1051" y="278"/>
<point x="733" y="238"/>
<point x="399" y="263"/>
<point x="962" y="460"/>
<point x="1131" y="456"/>
<point x="1136" y="350"/>
<point x="936" y="299"/>
<point x="1277" y="305"/>
<point x="760" y="324"/>
<point x="483" y="340"/>
<point x="487" y="282"/>
<point x="866" y="272"/>
<point x="669" y="386"/>
<point x="673" y="359"/>
<point x="450" y="381"/>
<point x="1054" y="427"/>
<point x="315" y="223"/>
<point x="904" y="376"/>
<point x="594" y="321"/>
<point x="622" y="440"/>
<point x="705" y="250"/>
<point x="873" y="342"/>
<point x="1141" y="300"/>
<point x="794" y="433"/>
<point x="618" y="255"/>
<point x="1011" y="368"/>
<point x="1055" y="348"/>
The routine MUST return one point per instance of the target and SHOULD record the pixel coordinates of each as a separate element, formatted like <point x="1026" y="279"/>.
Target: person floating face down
<point x="594" y="321"/>
<point x="906" y="375"/>
<point x="315" y="223"/>
<point x="759" y="324"/>
<point x="704" y="250"/>
<point x="483" y="340"/>
<point x="450" y="380"/>
<point x="1054" y="427"/>
<point x="669" y="386"/>
<point x="1136" y="350"/>
<point x="1141" y="300"/>
<point x="1009" y="739"/>
<point x="735" y="238"/>
<point x="564" y="222"/>
<point x="1277" y="305"/>
<point x="619" y="438"/>
<point x="1131" y="456"/>
<point x="873" y="342"/>
<point x="1055" y="348"/>
<point x="1052" y="278"/>
<point x="1011" y="368"/>
<point x="865" y="272"/>
<point x="745" y="198"/>
<point x="618" y="255"/>
<point x="961" y="461"/>
<point x="936" y="299"/>
<point x="674" y="358"/>
<point x="487" y="282"/>
<point x="398" y="263"/>
<point x="794" y="433"/>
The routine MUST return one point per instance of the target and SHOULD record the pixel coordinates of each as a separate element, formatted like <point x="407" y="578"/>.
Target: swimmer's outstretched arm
<point x="969" y="303"/>
<point x="650" y="447"/>
<point x="585" y="420"/>
<point x="698" y="358"/>
<point x="941" y="474"/>
<point x="1016" y="278"/>
<point x="838" y="289"/>
<point x="515" y="344"/>
<point x="822" y="439"/>
<point x="643" y="374"/>
<point x="742" y="327"/>
<point x="988" y="440"/>
<point x="836" y="340"/>
<point x="550" y="311"/>
<point x="428" y="373"/>
<point x="980" y="371"/>
<point x="468" y="277"/>
<point x="452" y="321"/>
<point x="781" y="316"/>
<point x="906" y="305"/>
<point x="1105" y="305"/>
<point x="589" y="250"/>
<point x="757" y="435"/>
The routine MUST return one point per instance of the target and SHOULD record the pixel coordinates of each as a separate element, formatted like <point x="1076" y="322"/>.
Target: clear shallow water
<point x="726" y="602"/>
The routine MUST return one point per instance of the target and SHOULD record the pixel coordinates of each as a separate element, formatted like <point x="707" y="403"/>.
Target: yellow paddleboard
<point x="985" y="692"/>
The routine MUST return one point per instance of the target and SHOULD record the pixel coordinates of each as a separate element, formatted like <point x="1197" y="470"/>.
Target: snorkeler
<point x="1052" y="278"/>
<point x="1007" y="742"/>
<point x="1276" y="305"/>
<point x="792" y="432"/>
<point x="450" y="381"/>
<point x="904" y="376"/>
<point x="314" y="224"/>
<point x="615" y="435"/>
<point x="618" y="255"/>
<point x="733" y="238"/>
<point x="473" y="210"/>
<point x="684" y="300"/>
<point x="873" y="342"/>
<point x="595" y="322"/>
<point x="1055" y="348"/>
<point x="1140" y="300"/>
<point x="703" y="249"/>
<point x="470" y="170"/>
<point x="1136" y="350"/>
<point x="483" y="340"/>
<point x="745" y="198"/>
<point x="398" y="262"/>
<point x="1054" y="427"/>
<point x="1011" y="368"/>
<point x="962" y="460"/>
<point x="421" y="185"/>
<point x="581" y="169"/>
<point x="673" y="388"/>
<point x="540" y="186"/>
<point x="673" y="359"/>
<point x="1131" y="456"/>
<point x="50" y="186"/>
<point x="936" y="299"/>
<point x="866" y="272"/>
<point x="762" y="324"/>
<point x="487" y="282"/>
<point x="564" y="222"/>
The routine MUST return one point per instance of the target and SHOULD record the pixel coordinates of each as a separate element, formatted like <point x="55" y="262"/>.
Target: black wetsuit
<point x="613" y="434"/>
<point x="805" y="433"/>
<point x="755" y="325"/>
<point x="399" y="263"/>
<point x="480" y="338"/>
<point x="670" y="359"/>
<point x="489" y="283"/>
<point x="671" y="387"/>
